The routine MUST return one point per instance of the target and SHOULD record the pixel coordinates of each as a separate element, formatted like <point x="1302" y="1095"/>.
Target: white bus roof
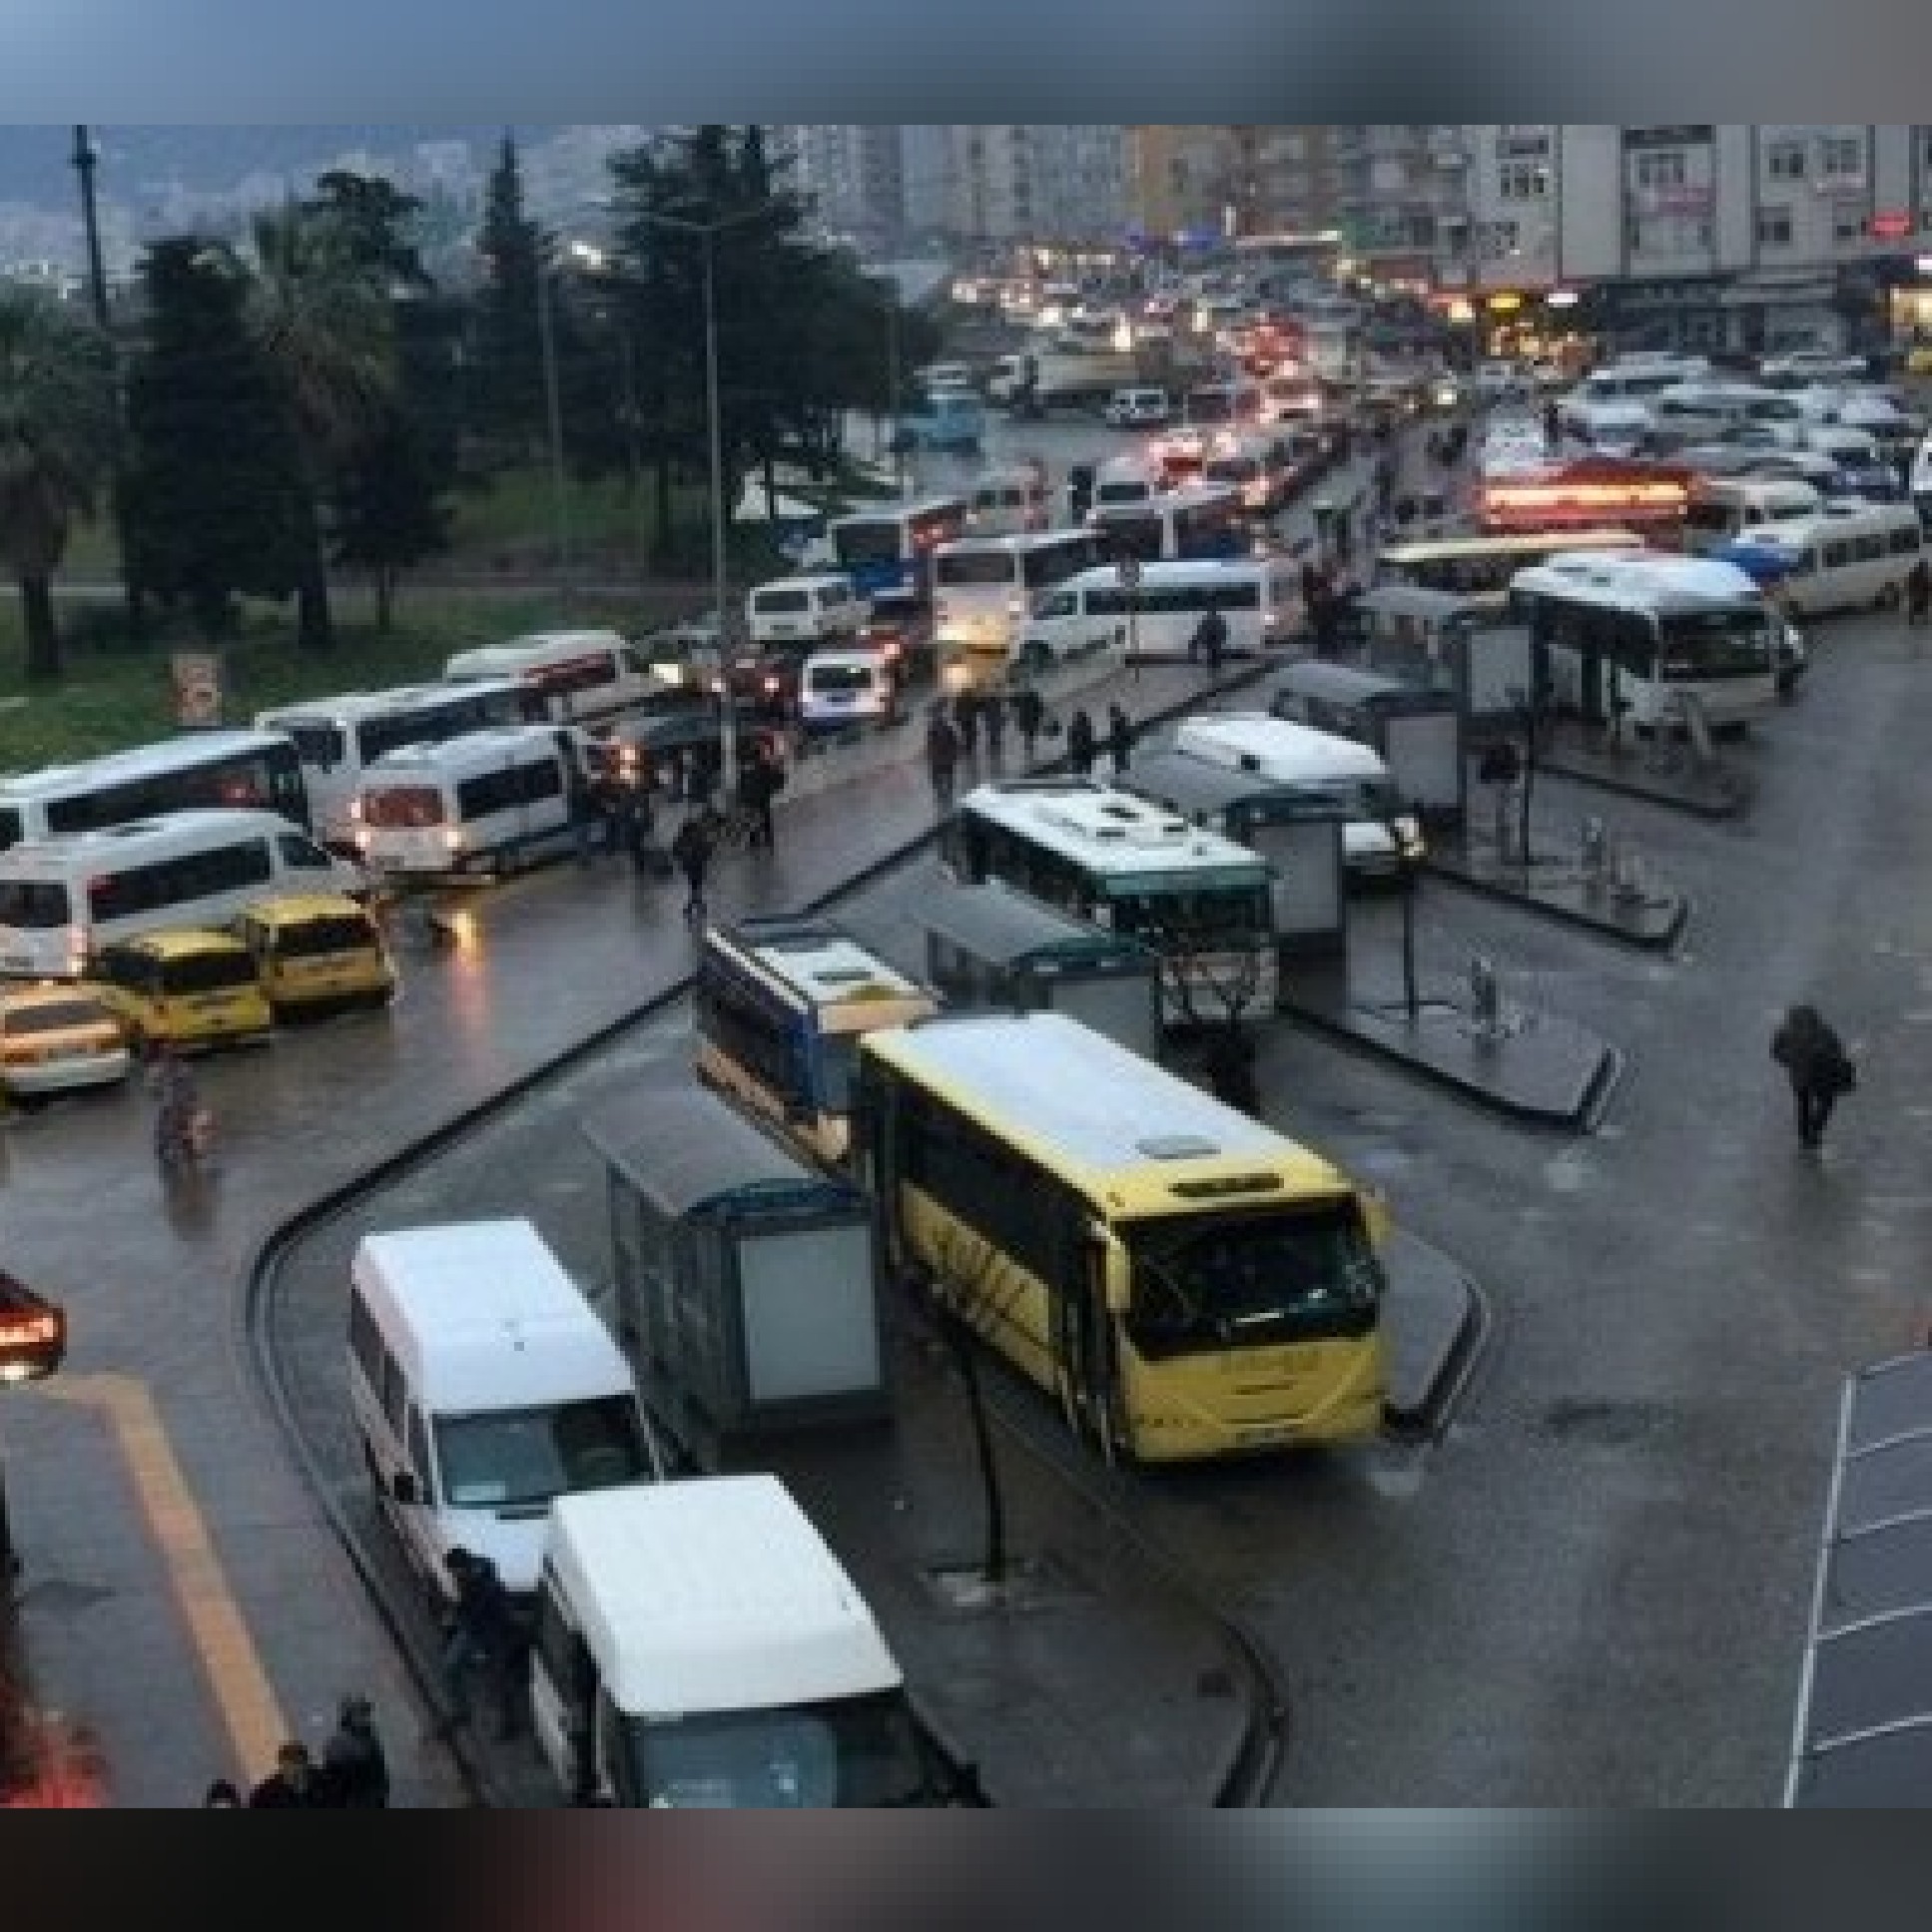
<point x="1018" y="544"/>
<point x="822" y="966"/>
<point x="1189" y="496"/>
<point x="530" y="652"/>
<point x="487" y="1317"/>
<point x="713" y="1593"/>
<point x="1105" y="830"/>
<point x="815" y="580"/>
<point x="1186" y="570"/>
<point x="1067" y="1092"/>
<point x="352" y="706"/>
<point x="143" y="760"/>
<point x="474" y="751"/>
<point x="1644" y="582"/>
<point x="1255" y="741"/>
<point x="140" y="839"/>
<point x="893" y="513"/>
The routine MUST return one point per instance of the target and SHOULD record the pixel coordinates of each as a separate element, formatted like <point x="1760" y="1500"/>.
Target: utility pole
<point x="554" y="411"/>
<point x="84" y="161"/>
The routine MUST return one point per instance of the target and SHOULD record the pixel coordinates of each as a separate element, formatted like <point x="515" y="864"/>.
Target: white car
<point x="1139" y="408"/>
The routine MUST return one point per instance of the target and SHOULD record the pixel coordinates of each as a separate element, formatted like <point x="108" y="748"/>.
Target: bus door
<point x="1086" y="1348"/>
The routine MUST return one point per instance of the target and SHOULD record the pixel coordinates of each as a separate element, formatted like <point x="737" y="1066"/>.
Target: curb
<point x="1548" y="908"/>
<point x="1459" y="1365"/>
<point x="1646" y="795"/>
<point x="266" y="1259"/>
<point x="1583" y="1111"/>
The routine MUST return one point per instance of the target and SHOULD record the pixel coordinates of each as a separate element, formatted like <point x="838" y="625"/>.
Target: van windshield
<point x="846" y="1753"/>
<point x="518" y="1457"/>
<point x="312" y="938"/>
<point x="783" y="600"/>
<point x="35" y="905"/>
<point x="841" y="677"/>
<point x="216" y="970"/>
<point x="400" y="807"/>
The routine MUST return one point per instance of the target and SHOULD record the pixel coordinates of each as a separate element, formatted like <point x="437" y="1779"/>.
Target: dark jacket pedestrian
<point x="1229" y="1063"/>
<point x="1120" y="739"/>
<point x="690" y="852"/>
<point x="1030" y="713"/>
<point x="1918" y="592"/>
<point x="296" y="1784"/>
<point x="482" y="1633"/>
<point x="993" y="715"/>
<point x="1210" y="640"/>
<point x="1082" y="747"/>
<point x="355" y="1761"/>
<point x="757" y="787"/>
<point x="966" y="721"/>
<point x="942" y="755"/>
<point x="1819" y="1070"/>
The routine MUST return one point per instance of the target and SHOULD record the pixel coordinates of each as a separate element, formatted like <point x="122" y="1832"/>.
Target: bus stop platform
<point x="1661" y="770"/>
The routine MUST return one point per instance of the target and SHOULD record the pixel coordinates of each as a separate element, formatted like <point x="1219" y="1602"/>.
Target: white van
<point x="1609" y="429"/>
<point x="1010" y="502"/>
<point x="587" y="677"/>
<point x="483" y="1386"/>
<point x="1855" y="556"/>
<point x="1700" y="412"/>
<point x="699" y="1647"/>
<point x="1126" y="479"/>
<point x="1157" y="618"/>
<point x="1380" y="838"/>
<point x="476" y="807"/>
<point x="839" y="689"/>
<point x="805" y="610"/>
<point x="63" y="898"/>
<point x="1723" y="508"/>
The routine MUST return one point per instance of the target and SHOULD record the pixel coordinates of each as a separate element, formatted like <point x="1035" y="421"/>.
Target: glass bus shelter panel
<point x="1424" y="752"/>
<point x="1308" y="888"/>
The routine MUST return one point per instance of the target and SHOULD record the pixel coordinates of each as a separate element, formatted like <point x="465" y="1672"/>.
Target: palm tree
<point x="321" y="315"/>
<point x="56" y="444"/>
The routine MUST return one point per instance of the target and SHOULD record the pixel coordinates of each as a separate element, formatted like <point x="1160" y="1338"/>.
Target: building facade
<point x="1008" y="183"/>
<point x="854" y="177"/>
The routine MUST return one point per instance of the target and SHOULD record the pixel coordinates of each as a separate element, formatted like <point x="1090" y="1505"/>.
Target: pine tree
<point x="508" y="366"/>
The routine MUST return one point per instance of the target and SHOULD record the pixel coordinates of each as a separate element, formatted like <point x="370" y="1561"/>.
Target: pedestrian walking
<point x="585" y="815"/>
<point x="1209" y="643"/>
<point x="1918" y="592"/>
<point x="691" y="853"/>
<point x="1819" y="1070"/>
<point x="296" y="1784"/>
<point x="941" y="756"/>
<point x="966" y="721"/>
<point x="353" y="1760"/>
<point x="1082" y="747"/>
<point x="758" y="786"/>
<point x="482" y="1633"/>
<point x="1120" y="738"/>
<point x="1030" y="713"/>
<point x="992" y="714"/>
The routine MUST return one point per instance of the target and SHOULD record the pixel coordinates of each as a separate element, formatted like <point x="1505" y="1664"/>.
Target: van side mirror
<point x="404" y="1488"/>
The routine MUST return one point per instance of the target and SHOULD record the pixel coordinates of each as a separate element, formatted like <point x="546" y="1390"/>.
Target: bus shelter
<point x="1863" y="1734"/>
<point x="992" y="946"/>
<point x="1298" y="831"/>
<point x="1412" y="634"/>
<point x="747" y="1283"/>
<point x="1418" y="732"/>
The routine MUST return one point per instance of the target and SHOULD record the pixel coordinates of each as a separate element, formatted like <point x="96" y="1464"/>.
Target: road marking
<point x="249" y="1709"/>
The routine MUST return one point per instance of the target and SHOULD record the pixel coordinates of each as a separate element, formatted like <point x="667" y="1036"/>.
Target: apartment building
<point x="1041" y="184"/>
<point x="854" y="175"/>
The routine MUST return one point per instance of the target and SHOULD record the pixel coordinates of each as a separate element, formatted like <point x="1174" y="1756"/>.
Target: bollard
<point x="1485" y="997"/>
<point x="1629" y="876"/>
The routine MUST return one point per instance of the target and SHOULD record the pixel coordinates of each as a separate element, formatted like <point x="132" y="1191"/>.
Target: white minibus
<point x="982" y="588"/>
<point x="1159" y="616"/>
<point x="483" y="1386"/>
<point x="805" y="610"/>
<point x="843" y="688"/>
<point x="1854" y="556"/>
<point x="62" y="899"/>
<point x="1700" y="411"/>
<point x="1380" y="837"/>
<point x="1009" y="502"/>
<point x="1723" y="508"/>
<point x="700" y="1648"/>
<point x="475" y="808"/>
<point x="586" y="678"/>
<point x="1128" y="479"/>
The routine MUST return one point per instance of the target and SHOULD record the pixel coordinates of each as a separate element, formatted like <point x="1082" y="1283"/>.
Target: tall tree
<point x="56" y="442"/>
<point x="389" y="513"/>
<point x="215" y="499"/>
<point x="509" y="363"/>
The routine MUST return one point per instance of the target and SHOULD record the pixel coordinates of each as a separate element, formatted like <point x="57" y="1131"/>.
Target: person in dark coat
<point x="353" y="1760"/>
<point x="966" y="721"/>
<point x="690" y="852"/>
<point x="482" y="1633"/>
<point x="1209" y="643"/>
<point x="1819" y="1070"/>
<point x="993" y="715"/>
<point x="941" y="756"/>
<point x="758" y="786"/>
<point x="294" y="1785"/>
<point x="1120" y="738"/>
<point x="1029" y="715"/>
<point x="1082" y="747"/>
<point x="1918" y="592"/>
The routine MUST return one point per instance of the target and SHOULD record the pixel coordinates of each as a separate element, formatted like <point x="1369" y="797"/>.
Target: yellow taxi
<point x="316" y="950"/>
<point x="190" y="990"/>
<point x="55" y="1038"/>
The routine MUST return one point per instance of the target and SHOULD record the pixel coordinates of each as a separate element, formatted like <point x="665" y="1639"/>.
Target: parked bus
<point x="982" y="588"/>
<point x="887" y="551"/>
<point x="1200" y="901"/>
<point x="63" y="898"/>
<point x="1158" y="616"/>
<point x="779" y="1006"/>
<point x="259" y="770"/>
<point x="1200" y="521"/>
<point x="1479" y="568"/>
<point x="1628" y="636"/>
<point x="475" y="808"/>
<point x="1187" y="1281"/>
<point x="337" y="739"/>
<point x="586" y="678"/>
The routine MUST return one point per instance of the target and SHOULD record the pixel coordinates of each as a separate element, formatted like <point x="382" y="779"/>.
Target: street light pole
<point x="553" y="409"/>
<point x="728" y="732"/>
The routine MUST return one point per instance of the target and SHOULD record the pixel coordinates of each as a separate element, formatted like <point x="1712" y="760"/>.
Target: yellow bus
<point x="1187" y="1281"/>
<point x="779" y="1005"/>
<point x="1480" y="567"/>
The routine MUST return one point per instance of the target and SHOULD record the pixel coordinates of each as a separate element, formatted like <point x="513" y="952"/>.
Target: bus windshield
<point x="846" y="1753"/>
<point x="1248" y="1279"/>
<point x="1182" y="913"/>
<point x="974" y="567"/>
<point x="861" y="544"/>
<point x="516" y="1457"/>
<point x="1715" y="644"/>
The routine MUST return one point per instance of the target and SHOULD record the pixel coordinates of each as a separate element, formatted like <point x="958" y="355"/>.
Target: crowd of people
<point x="353" y="1774"/>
